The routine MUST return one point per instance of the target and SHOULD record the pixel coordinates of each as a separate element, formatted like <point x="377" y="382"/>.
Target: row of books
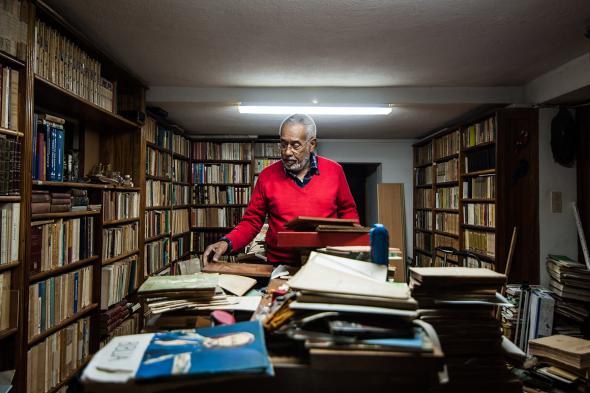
<point x="447" y="171"/>
<point x="63" y="63"/>
<point x="9" y="97"/>
<point x="5" y="301"/>
<point x="43" y="201"/>
<point x="180" y="221"/>
<point x="216" y="217"/>
<point x="220" y="173"/>
<point x="423" y="154"/>
<point x="181" y="195"/>
<point x="179" y="247"/>
<point x="118" y="320"/>
<point x="160" y="136"/>
<point x="447" y="198"/>
<point x="481" y="214"/>
<point x="200" y="240"/>
<point x="157" y="163"/>
<point x="480" y="187"/>
<point x="422" y="260"/>
<point x="14" y="21"/>
<point x="157" y="222"/>
<point x="157" y="193"/>
<point x="423" y="198"/>
<point x="447" y="222"/>
<point x="10" y="165"/>
<point x="478" y="133"/>
<point x="267" y="149"/>
<point x="180" y="171"/>
<point x="423" y="220"/>
<point x="156" y="255"/>
<point x="480" y="242"/>
<point x="222" y="151"/>
<point x="480" y="160"/>
<point x="9" y="232"/>
<point x="423" y="176"/>
<point x="119" y="205"/>
<point x="118" y="279"/>
<point x="424" y="241"/>
<point x="119" y="240"/>
<point x="58" y="356"/>
<point x="181" y="145"/>
<point x="221" y="195"/>
<point x="446" y="241"/>
<point x="57" y="298"/>
<point x="262" y="163"/>
<point x="48" y="148"/>
<point x="56" y="243"/>
<point x="447" y="145"/>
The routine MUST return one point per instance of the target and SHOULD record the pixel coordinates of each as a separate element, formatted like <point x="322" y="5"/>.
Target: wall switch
<point x="555" y="201"/>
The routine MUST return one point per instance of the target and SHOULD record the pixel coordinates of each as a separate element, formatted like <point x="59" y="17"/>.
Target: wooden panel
<point x="391" y="213"/>
<point x="583" y="172"/>
<point x="517" y="201"/>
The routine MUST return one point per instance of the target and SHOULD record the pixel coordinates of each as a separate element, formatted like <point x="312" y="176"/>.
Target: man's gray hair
<point x="305" y="120"/>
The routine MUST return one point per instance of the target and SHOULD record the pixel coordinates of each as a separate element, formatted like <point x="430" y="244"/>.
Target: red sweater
<point x="326" y="195"/>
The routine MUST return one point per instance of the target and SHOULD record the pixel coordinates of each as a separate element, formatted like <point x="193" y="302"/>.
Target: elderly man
<point x="301" y="184"/>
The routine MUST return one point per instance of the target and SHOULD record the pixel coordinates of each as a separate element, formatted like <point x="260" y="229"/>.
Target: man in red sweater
<point x="301" y="184"/>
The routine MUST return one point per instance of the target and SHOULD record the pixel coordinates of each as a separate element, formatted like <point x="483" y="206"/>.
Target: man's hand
<point x="217" y="249"/>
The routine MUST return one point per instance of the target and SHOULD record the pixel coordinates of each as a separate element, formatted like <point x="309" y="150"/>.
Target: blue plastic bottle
<point x="379" y="244"/>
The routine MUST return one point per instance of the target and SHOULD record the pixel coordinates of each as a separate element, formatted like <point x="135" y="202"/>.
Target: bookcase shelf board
<point x="119" y="257"/>
<point x="6" y="131"/>
<point x="8" y="333"/>
<point x="479" y="173"/>
<point x="446" y="183"/>
<point x="478" y="200"/>
<point x="479" y="146"/>
<point x="9" y="198"/>
<point x="161" y="178"/>
<point x="119" y="222"/>
<point x="80" y="314"/>
<point x="8" y="266"/>
<point x="156" y="147"/>
<point x="70" y="376"/>
<point x="42" y="216"/>
<point x="424" y="165"/>
<point x="180" y="207"/>
<point x="447" y="234"/>
<point x="180" y="157"/>
<point x="158" y="237"/>
<point x="446" y="158"/>
<point x="12" y="61"/>
<point x="167" y="207"/>
<point x="62" y="269"/>
<point x="177" y="235"/>
<point x="479" y="227"/>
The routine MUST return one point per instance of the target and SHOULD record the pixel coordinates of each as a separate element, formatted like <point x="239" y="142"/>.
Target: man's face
<point x="295" y="149"/>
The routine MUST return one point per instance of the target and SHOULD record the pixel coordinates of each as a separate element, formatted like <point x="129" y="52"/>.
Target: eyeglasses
<point x="295" y="146"/>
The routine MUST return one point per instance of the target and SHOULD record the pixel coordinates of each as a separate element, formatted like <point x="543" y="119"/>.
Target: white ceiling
<point x="339" y="43"/>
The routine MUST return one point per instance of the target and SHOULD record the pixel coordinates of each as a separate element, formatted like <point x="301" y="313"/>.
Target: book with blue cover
<point x="195" y="353"/>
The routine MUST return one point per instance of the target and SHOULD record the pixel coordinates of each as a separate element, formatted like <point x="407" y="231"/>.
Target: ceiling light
<point x="315" y="110"/>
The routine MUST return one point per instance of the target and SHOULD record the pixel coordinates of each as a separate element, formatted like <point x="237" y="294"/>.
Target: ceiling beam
<point x="568" y="77"/>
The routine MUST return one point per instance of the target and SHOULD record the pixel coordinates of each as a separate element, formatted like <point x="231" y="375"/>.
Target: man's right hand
<point x="217" y="249"/>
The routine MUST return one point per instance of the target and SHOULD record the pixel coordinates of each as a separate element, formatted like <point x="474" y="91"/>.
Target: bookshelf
<point x="472" y="197"/>
<point x="60" y="122"/>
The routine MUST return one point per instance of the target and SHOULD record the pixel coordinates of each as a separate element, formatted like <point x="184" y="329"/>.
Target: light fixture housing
<point x="315" y="110"/>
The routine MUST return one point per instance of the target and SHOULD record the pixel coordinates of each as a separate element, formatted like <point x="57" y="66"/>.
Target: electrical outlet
<point x="556" y="202"/>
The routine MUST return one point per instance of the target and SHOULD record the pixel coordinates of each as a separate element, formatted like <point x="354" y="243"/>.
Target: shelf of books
<point x="13" y="95"/>
<point x="221" y="176"/>
<point x="471" y="183"/>
<point x="77" y="210"/>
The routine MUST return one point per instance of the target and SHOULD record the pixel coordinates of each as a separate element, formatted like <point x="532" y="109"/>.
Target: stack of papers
<point x="199" y="291"/>
<point x="460" y="304"/>
<point x="176" y="356"/>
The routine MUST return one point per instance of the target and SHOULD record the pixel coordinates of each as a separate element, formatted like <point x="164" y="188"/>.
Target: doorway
<point x="362" y="180"/>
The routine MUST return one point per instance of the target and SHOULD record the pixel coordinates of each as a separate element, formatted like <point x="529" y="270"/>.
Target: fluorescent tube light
<point x="315" y="110"/>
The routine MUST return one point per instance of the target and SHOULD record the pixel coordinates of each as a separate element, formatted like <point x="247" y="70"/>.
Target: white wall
<point x="395" y="157"/>
<point x="557" y="231"/>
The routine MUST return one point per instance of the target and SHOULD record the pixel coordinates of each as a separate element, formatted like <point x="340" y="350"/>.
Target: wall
<point x="557" y="231"/>
<point x="395" y="157"/>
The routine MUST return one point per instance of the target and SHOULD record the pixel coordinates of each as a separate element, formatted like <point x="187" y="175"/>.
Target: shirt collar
<point x="313" y="167"/>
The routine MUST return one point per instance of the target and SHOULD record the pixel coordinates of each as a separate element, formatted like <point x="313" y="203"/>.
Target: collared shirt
<point x="313" y="170"/>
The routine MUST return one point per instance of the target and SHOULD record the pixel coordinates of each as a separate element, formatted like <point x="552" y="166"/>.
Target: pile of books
<point x="460" y="303"/>
<point x="570" y="284"/>
<point x="43" y="201"/>
<point x="112" y="318"/>
<point x="567" y="360"/>
<point x="346" y="312"/>
<point x="200" y="291"/>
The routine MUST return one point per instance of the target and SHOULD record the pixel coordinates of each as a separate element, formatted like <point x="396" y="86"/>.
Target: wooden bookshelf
<point x="9" y="266"/>
<point x="64" y="215"/>
<point x="119" y="222"/>
<point x="62" y="269"/>
<point x="514" y="203"/>
<point x="80" y="314"/>
<point x="119" y="257"/>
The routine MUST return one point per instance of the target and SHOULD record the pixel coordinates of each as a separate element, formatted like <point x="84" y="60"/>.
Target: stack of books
<point x="570" y="284"/>
<point x="567" y="359"/>
<point x="169" y="293"/>
<point x="460" y="304"/>
<point x="61" y="201"/>
<point x="112" y="318"/>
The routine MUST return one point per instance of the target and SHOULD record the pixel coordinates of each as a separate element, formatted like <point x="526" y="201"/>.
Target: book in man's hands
<point x="301" y="223"/>
<point x="200" y="354"/>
